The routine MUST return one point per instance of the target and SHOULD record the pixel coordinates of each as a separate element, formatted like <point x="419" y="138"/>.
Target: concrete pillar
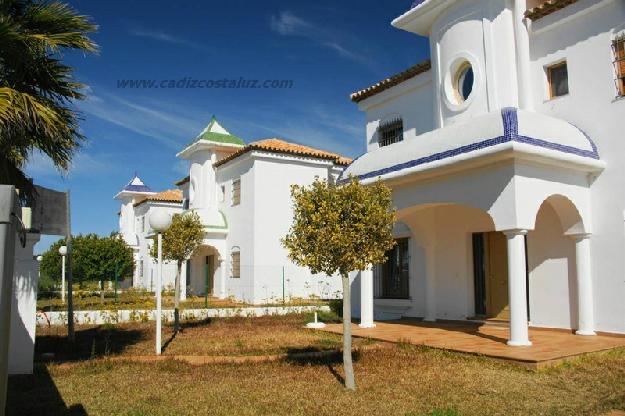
<point x="586" y="325"/>
<point x="430" y="282"/>
<point x="517" y="295"/>
<point x="366" y="298"/>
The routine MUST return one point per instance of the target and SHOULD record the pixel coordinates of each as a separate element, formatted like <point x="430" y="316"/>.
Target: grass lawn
<point x="400" y="380"/>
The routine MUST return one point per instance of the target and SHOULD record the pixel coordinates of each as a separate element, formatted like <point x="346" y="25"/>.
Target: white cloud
<point x="288" y="24"/>
<point x="39" y="165"/>
<point x="143" y="119"/>
<point x="167" y="38"/>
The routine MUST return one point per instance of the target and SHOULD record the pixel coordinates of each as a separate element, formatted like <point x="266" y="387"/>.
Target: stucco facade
<point x="505" y="175"/>
<point x="241" y="256"/>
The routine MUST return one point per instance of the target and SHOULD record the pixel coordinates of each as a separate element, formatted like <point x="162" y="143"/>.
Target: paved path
<point x="549" y="346"/>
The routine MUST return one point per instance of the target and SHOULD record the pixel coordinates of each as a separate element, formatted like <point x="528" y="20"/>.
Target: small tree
<point x="94" y="258"/>
<point x="338" y="229"/>
<point x="180" y="240"/>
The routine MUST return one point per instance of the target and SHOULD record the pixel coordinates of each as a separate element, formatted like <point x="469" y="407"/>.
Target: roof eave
<point x="131" y="193"/>
<point x="419" y="19"/>
<point x="205" y="145"/>
<point x="505" y="151"/>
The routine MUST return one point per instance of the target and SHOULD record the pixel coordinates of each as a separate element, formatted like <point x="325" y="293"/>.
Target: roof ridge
<point x="286" y="147"/>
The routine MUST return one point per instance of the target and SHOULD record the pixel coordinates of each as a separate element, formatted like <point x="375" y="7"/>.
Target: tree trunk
<point x="102" y="291"/>
<point x="348" y="367"/>
<point x="177" y="299"/>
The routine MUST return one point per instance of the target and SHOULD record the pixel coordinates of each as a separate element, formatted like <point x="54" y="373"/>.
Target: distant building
<point x="242" y="195"/>
<point x="505" y="155"/>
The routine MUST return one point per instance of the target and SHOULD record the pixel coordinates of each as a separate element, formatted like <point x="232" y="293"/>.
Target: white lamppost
<point x="159" y="222"/>
<point x="39" y="258"/>
<point x="63" y="253"/>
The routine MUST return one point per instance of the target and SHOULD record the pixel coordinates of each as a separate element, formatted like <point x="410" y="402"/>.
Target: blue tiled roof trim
<point x="511" y="133"/>
<point x="137" y="188"/>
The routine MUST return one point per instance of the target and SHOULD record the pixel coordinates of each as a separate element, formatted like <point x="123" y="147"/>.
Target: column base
<point x="519" y="343"/>
<point x="585" y="332"/>
<point x="365" y="326"/>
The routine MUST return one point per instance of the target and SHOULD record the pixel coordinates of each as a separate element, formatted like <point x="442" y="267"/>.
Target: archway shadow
<point x="89" y="343"/>
<point x="37" y="395"/>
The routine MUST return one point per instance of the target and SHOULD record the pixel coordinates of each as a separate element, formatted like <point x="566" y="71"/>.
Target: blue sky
<point x="327" y="48"/>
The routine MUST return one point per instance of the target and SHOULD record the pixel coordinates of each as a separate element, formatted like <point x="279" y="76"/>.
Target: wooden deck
<point x="549" y="346"/>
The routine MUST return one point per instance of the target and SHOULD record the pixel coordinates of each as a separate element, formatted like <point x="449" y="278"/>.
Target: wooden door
<point x="496" y="276"/>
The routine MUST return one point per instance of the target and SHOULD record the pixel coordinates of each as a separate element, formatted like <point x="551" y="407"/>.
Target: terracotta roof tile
<point x="387" y="83"/>
<point x="281" y="146"/>
<point x="170" y="195"/>
<point x="546" y="8"/>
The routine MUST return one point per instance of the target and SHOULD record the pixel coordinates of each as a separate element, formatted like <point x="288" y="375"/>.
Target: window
<point x="236" y="192"/>
<point x="463" y="82"/>
<point x="390" y="132"/>
<point x="236" y="264"/>
<point x="222" y="197"/>
<point x="618" y="46"/>
<point x="392" y="277"/>
<point x="558" y="78"/>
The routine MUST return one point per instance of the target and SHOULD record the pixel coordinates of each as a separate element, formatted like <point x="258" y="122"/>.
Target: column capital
<point x="514" y="232"/>
<point x="580" y="236"/>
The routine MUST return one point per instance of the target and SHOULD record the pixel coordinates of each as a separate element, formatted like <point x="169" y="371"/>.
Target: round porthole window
<point x="463" y="85"/>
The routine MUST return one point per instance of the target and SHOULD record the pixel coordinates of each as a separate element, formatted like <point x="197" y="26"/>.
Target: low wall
<point x="143" y="315"/>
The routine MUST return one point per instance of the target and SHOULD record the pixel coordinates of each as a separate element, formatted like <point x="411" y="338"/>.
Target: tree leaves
<point x="182" y="238"/>
<point x="93" y="258"/>
<point x="36" y="89"/>
<point x="337" y="229"/>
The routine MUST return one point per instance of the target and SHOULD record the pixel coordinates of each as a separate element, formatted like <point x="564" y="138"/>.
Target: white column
<point x="63" y="279"/>
<point x="517" y="288"/>
<point x="430" y="282"/>
<point x="222" y="278"/>
<point x="366" y="298"/>
<point x="159" y="288"/>
<point x="183" y="281"/>
<point x="521" y="38"/>
<point x="585" y="307"/>
<point x="435" y="62"/>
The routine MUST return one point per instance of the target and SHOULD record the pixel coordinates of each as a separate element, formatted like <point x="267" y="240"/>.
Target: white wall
<point x="240" y="225"/>
<point x="582" y="34"/>
<point x="411" y="101"/>
<point x="551" y="263"/>
<point x="24" y="307"/>
<point x="272" y="219"/>
<point x="148" y="279"/>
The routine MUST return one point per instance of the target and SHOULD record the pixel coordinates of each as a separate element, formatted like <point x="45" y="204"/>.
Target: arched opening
<point x="440" y="255"/>
<point x="201" y="271"/>
<point x="552" y="264"/>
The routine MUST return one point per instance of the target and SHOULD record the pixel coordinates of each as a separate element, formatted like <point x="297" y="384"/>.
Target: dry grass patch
<point x="221" y="336"/>
<point x="396" y="381"/>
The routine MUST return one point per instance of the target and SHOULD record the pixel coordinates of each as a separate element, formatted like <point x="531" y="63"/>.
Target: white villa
<point x="242" y="194"/>
<point x="506" y="158"/>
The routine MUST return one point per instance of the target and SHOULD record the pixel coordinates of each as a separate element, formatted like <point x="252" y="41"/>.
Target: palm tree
<point x="36" y="88"/>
